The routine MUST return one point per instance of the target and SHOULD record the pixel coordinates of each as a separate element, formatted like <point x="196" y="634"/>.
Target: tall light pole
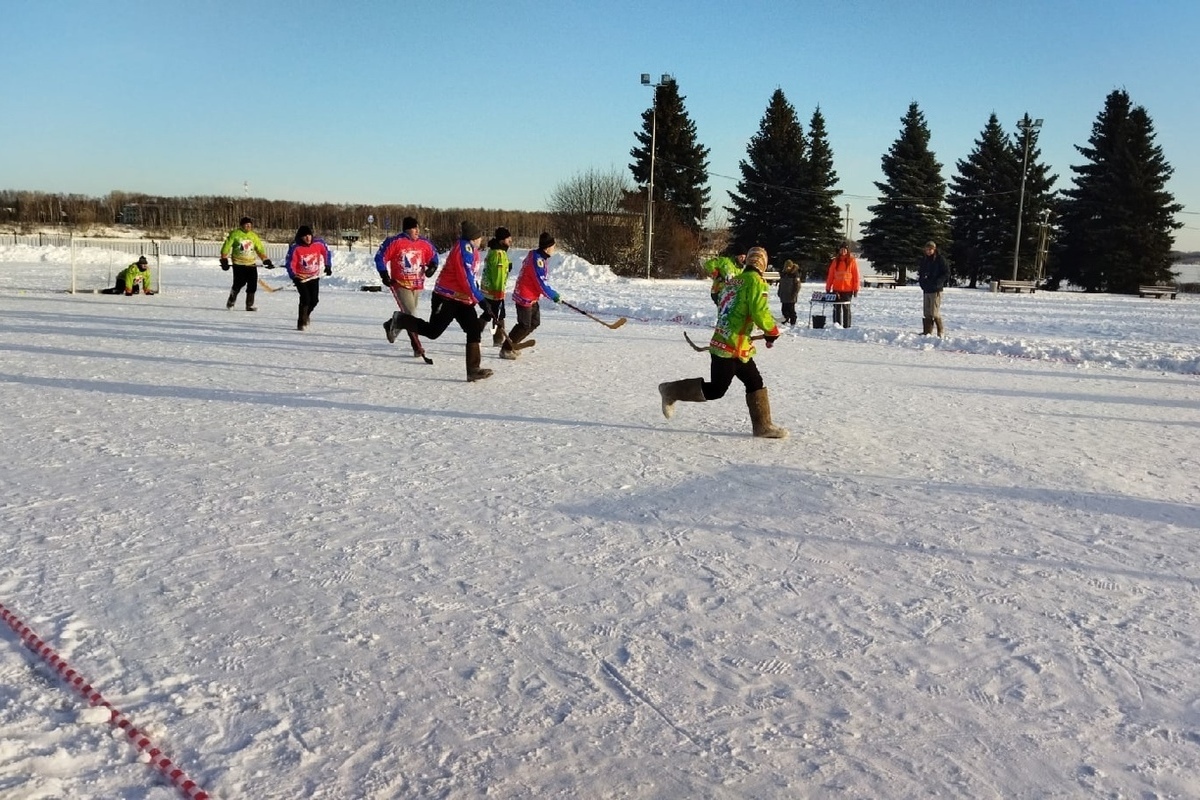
<point x="1025" y="125"/>
<point x="653" y="150"/>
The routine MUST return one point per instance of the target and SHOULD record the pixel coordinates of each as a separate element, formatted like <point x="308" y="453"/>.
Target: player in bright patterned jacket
<point x="532" y="285"/>
<point x="243" y="246"/>
<point x="455" y="296"/>
<point x="307" y="259"/>
<point x="741" y="307"/>
<point x="404" y="261"/>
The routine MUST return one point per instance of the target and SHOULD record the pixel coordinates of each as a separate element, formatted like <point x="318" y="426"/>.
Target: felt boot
<point x="690" y="390"/>
<point x="760" y="416"/>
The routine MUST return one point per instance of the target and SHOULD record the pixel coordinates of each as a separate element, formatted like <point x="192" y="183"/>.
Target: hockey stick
<point x="267" y="286"/>
<point x="610" y="325"/>
<point x="412" y="336"/>
<point x="700" y="349"/>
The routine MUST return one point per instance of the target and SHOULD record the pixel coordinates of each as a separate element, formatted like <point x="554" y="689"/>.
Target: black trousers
<point x="789" y="312"/>
<point x="443" y="311"/>
<point x="310" y="293"/>
<point x="496" y="307"/>
<point x="244" y="276"/>
<point x="724" y="370"/>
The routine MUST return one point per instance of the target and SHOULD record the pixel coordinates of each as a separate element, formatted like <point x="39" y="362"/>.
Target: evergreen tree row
<point x="1111" y="231"/>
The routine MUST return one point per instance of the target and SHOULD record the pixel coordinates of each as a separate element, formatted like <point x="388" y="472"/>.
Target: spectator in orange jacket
<point x="842" y="280"/>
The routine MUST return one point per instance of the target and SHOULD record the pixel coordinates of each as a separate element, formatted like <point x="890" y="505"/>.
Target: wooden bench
<point x="1157" y="291"/>
<point x="1016" y="286"/>
<point x="879" y="281"/>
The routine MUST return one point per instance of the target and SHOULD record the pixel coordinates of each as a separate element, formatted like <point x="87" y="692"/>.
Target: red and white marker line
<point x="116" y="718"/>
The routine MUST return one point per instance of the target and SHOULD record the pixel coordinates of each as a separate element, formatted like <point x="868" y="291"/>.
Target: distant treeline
<point x="275" y="220"/>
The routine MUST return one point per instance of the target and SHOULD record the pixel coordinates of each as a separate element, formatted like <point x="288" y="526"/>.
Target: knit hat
<point x="501" y="233"/>
<point x="931" y="244"/>
<point x="142" y="262"/>
<point x="469" y="230"/>
<point x="303" y="231"/>
<point x="244" y="220"/>
<point x="756" y="258"/>
<point x="545" y="240"/>
<point x="409" y="222"/>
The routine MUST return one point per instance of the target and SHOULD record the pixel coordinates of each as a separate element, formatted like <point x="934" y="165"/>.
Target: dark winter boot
<point x="760" y="416"/>
<point x="390" y="328"/>
<point x="302" y="321"/>
<point x="940" y="329"/>
<point x="498" y="334"/>
<point x="926" y="326"/>
<point x="250" y="302"/>
<point x="232" y="299"/>
<point x="690" y="390"/>
<point x="474" y="356"/>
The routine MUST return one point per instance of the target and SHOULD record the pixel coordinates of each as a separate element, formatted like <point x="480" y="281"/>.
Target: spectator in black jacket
<point x="932" y="274"/>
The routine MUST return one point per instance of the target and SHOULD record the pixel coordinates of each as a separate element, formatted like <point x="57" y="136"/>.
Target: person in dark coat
<point x="789" y="291"/>
<point x="932" y="275"/>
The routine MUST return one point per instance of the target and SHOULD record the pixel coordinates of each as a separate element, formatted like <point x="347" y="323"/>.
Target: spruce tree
<point x="1118" y="218"/>
<point x="983" y="207"/>
<point x="911" y="208"/>
<point x="821" y="232"/>
<point x="766" y="205"/>
<point x="680" y="162"/>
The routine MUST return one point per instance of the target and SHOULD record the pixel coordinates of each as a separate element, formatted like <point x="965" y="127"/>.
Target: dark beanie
<point x="409" y="222"/>
<point x="545" y="240"/>
<point x="143" y="261"/>
<point x="469" y="230"/>
<point x="303" y="231"/>
<point x="245" y="220"/>
<point x="501" y="233"/>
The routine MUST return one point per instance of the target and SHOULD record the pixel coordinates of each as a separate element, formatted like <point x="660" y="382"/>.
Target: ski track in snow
<point x="310" y="565"/>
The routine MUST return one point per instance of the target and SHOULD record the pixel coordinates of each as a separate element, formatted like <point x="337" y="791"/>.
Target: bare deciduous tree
<point x="590" y="219"/>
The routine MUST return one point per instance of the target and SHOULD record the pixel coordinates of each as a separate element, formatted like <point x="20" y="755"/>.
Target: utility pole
<point x="653" y="150"/>
<point x="1025" y="125"/>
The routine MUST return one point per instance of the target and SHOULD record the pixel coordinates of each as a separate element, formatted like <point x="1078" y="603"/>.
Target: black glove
<point x="224" y="263"/>
<point x="385" y="279"/>
<point x="267" y="263"/>
<point x="770" y="341"/>
<point x="430" y="269"/>
<point x="328" y="270"/>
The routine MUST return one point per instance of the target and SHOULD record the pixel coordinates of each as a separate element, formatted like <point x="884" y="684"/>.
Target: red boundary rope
<point x="116" y="718"/>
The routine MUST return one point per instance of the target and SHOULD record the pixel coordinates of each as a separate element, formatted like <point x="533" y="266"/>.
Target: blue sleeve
<point x="433" y="247"/>
<point x="379" y="263"/>
<point x="468" y="262"/>
<point x="540" y="272"/>
<point x="328" y="255"/>
<point x="287" y="261"/>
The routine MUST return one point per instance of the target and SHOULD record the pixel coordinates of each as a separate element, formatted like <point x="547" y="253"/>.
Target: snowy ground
<point x="309" y="565"/>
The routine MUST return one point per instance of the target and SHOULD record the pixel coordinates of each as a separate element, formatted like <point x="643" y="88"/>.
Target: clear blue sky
<point x="494" y="104"/>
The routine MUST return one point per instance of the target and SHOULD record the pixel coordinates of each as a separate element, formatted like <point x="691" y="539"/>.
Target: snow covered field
<point x="309" y="565"/>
